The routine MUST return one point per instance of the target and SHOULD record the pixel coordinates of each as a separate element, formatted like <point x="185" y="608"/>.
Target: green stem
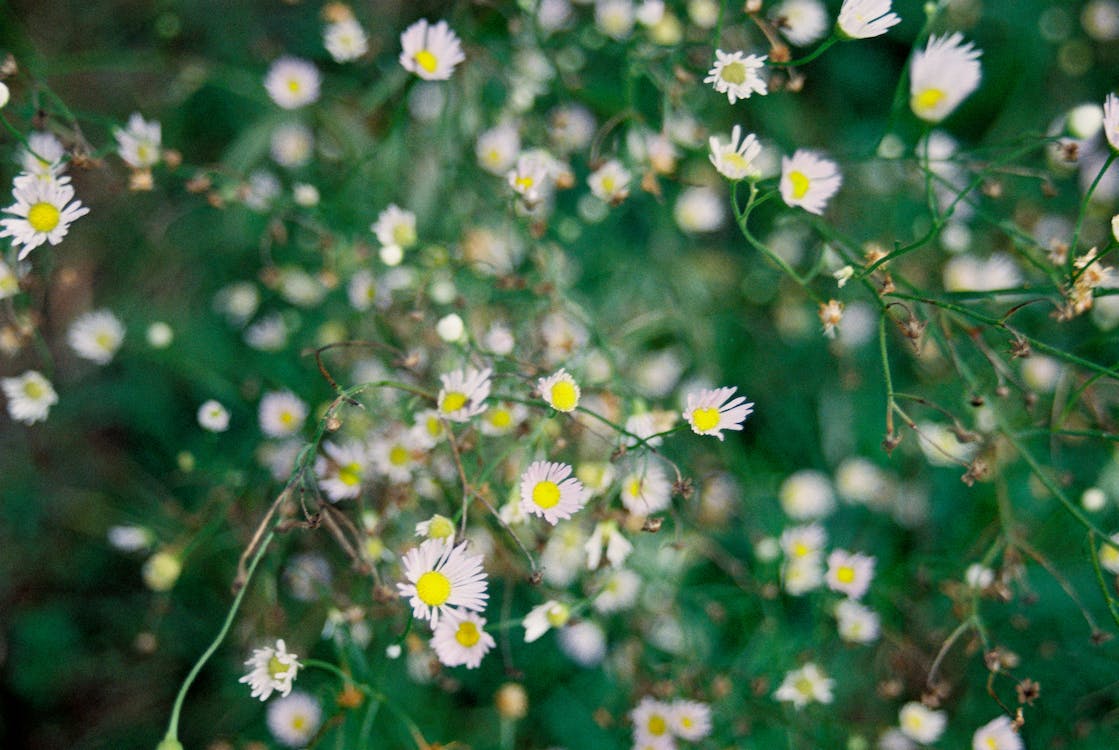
<point x="810" y="56"/>
<point x="172" y="735"/>
<point x="1084" y="207"/>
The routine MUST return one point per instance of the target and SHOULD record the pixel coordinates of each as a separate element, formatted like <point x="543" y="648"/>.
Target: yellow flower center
<point x="800" y="184"/>
<point x="564" y="396"/>
<point x="804" y="686"/>
<point x="992" y="743"/>
<point x="845" y="574"/>
<point x="276" y="667"/>
<point x="452" y="402"/>
<point x="524" y="184"/>
<point x="434" y="426"/>
<point x="686" y="722"/>
<point x="103" y="340"/>
<point x="350" y="474"/>
<point x="800" y="549"/>
<point x="734" y="73"/>
<point x="399" y="455"/>
<point x="608" y="184"/>
<point x="143" y="152"/>
<point x="926" y="100"/>
<point x="294" y="85"/>
<point x="735" y="159"/>
<point x="433" y="588"/>
<point x="43" y="217"/>
<point x="33" y="390"/>
<point x="467" y="634"/>
<point x="913" y="721"/>
<point x="501" y="418"/>
<point x="286" y="418"/>
<point x="440" y="527"/>
<point x="404" y="235"/>
<point x="657" y="725"/>
<point x="493" y="156"/>
<point x="635" y="487"/>
<point x="557" y="615"/>
<point x="705" y="419"/>
<point x="426" y="60"/>
<point x="298" y="722"/>
<point x="546" y="494"/>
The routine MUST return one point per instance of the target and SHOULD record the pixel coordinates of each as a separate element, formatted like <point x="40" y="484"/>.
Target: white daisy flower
<point x="646" y="489"/>
<point x="699" y="209"/>
<point x="214" y="417"/>
<point x="856" y="623"/>
<point x="549" y="490"/>
<point x="804" y="542"/>
<point x="997" y="734"/>
<point x="606" y="535"/>
<point x="294" y="719"/>
<point x="292" y="144"/>
<point x="292" y="82"/>
<point x="442" y="576"/>
<point x="801" y="575"/>
<point x="531" y="177"/>
<point x="737" y="75"/>
<point x="30" y="397"/>
<point x="431" y="52"/>
<point x="428" y="428"/>
<point x="543" y="617"/>
<point x="345" y="40"/>
<point x="395" y="227"/>
<point x="619" y="591"/>
<point x="806" y="494"/>
<point x="463" y="394"/>
<point x="364" y="291"/>
<point x="396" y="454"/>
<point x="805" y="685"/>
<point x="809" y="180"/>
<point x="571" y="128"/>
<point x="560" y="391"/>
<point x="502" y="419"/>
<point x="850" y="573"/>
<point x="802" y="22"/>
<point x="942" y="75"/>
<point x="563" y="555"/>
<point x="9" y="281"/>
<point x="139" y="143"/>
<point x="689" y="720"/>
<point x="921" y="724"/>
<point x="44" y="210"/>
<point x="610" y="182"/>
<point x="735" y="159"/>
<point x="709" y="412"/>
<point x="46" y="157"/>
<point x="1111" y="121"/>
<point x="863" y="19"/>
<point x="614" y="18"/>
<point x="461" y="640"/>
<point x="281" y="414"/>
<point x="497" y="148"/>
<point x="96" y="336"/>
<point x="342" y="470"/>
<point x="436" y="527"/>
<point x="652" y="723"/>
<point x="584" y="643"/>
<point x="305" y="195"/>
<point x="269" y="334"/>
<point x="273" y="669"/>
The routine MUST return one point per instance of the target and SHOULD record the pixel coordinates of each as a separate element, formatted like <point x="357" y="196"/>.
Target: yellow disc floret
<point x="433" y="588"/>
<point x="800" y="184"/>
<point x="467" y="634"/>
<point x="705" y="419"/>
<point x="426" y="60"/>
<point x="452" y="402"/>
<point x="546" y="494"/>
<point x="565" y="396"/>
<point x="43" y="217"/>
